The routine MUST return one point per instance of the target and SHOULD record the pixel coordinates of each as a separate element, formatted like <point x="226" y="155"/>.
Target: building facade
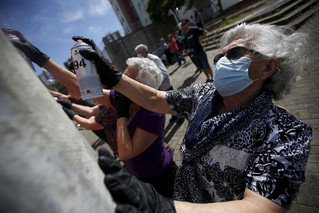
<point x="131" y="14"/>
<point x="138" y="27"/>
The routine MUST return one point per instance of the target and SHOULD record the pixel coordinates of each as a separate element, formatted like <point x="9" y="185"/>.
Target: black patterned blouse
<point x="259" y="146"/>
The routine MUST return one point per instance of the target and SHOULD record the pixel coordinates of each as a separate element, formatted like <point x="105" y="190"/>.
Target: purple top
<point x="155" y="158"/>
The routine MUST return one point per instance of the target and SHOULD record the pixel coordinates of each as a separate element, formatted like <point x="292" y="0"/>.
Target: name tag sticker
<point x="231" y="157"/>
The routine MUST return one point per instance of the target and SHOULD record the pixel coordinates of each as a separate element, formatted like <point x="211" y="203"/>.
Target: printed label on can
<point x="88" y="79"/>
<point x="90" y="86"/>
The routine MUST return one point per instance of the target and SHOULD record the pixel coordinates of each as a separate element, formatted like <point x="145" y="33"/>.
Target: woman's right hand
<point x="122" y="104"/>
<point x="109" y="75"/>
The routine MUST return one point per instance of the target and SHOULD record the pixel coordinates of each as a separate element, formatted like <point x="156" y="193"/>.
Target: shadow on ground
<point x="171" y="129"/>
<point x="189" y="81"/>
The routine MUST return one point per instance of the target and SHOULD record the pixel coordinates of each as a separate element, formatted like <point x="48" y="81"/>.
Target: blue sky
<point x="50" y="24"/>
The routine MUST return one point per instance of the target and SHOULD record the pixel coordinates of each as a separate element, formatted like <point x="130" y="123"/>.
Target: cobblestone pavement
<point x="303" y="102"/>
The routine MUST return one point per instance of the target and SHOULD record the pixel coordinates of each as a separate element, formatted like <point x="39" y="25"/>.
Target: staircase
<point x="291" y="13"/>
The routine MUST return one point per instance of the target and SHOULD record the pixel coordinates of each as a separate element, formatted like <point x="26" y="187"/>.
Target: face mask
<point x="231" y="76"/>
<point x="140" y="55"/>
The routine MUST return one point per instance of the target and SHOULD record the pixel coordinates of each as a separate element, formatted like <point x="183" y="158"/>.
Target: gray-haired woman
<point x="240" y="151"/>
<point x="140" y="132"/>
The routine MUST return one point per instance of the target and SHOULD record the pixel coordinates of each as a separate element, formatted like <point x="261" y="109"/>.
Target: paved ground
<point x="303" y="102"/>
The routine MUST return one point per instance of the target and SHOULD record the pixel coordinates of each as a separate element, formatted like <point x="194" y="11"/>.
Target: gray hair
<point x="274" y="42"/>
<point x="141" y="47"/>
<point x="148" y="72"/>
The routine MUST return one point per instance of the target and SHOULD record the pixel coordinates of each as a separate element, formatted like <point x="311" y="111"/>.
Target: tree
<point x="159" y="9"/>
<point x="190" y="4"/>
<point x="57" y="86"/>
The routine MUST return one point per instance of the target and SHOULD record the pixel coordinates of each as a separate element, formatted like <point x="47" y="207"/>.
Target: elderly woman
<point x="240" y="152"/>
<point x="140" y="132"/>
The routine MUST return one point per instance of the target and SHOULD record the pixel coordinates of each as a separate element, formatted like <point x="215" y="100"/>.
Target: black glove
<point x="129" y="192"/>
<point x="66" y="104"/>
<point x="27" y="48"/>
<point x="69" y="112"/>
<point x="109" y="75"/>
<point x="122" y="104"/>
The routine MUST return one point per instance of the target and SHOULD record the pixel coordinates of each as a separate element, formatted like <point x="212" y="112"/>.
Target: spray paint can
<point x="88" y="79"/>
<point x="14" y="38"/>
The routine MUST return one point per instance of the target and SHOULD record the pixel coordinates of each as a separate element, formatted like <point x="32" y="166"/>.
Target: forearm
<point x="90" y="124"/>
<point x="82" y="110"/>
<point x="145" y="96"/>
<point x="124" y="141"/>
<point x="201" y="38"/>
<point x="221" y="207"/>
<point x="251" y="203"/>
<point x="54" y="93"/>
<point x="67" y="78"/>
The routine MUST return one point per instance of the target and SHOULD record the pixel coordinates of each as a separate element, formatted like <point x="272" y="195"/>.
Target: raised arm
<point x="63" y="75"/>
<point x="58" y="94"/>
<point x="141" y="94"/>
<point x="145" y="96"/>
<point x="85" y="110"/>
<point x="67" y="78"/>
<point x="130" y="147"/>
<point x="88" y="123"/>
<point x="125" y="187"/>
<point x="203" y="36"/>
<point x="251" y="203"/>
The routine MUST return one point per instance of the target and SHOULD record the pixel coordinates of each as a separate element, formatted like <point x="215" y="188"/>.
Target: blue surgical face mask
<point x="140" y="55"/>
<point x="231" y="76"/>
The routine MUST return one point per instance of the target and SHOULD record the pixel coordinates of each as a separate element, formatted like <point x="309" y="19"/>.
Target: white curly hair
<point x="280" y="42"/>
<point x="148" y="72"/>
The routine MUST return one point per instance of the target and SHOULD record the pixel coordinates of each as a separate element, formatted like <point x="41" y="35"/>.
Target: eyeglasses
<point x="235" y="53"/>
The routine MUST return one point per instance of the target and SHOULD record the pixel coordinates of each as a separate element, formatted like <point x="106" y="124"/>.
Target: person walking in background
<point x="174" y="49"/>
<point x="198" y="19"/>
<point x="166" y="51"/>
<point x="142" y="52"/>
<point x="193" y="45"/>
<point x="179" y="37"/>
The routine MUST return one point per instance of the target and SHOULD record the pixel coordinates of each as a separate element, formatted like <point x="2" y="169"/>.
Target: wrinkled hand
<point x="27" y="48"/>
<point x="122" y="104"/>
<point x="66" y="104"/>
<point x="109" y="75"/>
<point x="69" y="112"/>
<point x="131" y="194"/>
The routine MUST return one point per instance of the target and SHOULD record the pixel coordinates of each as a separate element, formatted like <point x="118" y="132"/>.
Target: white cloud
<point x="40" y="18"/>
<point x="95" y="30"/>
<point x="72" y="16"/>
<point x="68" y="30"/>
<point x="99" y="7"/>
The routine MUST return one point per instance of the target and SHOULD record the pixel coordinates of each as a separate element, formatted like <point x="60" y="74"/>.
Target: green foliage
<point x="190" y="4"/>
<point x="159" y="9"/>
<point x="57" y="86"/>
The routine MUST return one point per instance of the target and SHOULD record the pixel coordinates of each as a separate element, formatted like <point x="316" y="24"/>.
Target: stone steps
<point x="290" y="13"/>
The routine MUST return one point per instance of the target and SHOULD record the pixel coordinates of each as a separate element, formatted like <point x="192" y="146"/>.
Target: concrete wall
<point x="46" y="165"/>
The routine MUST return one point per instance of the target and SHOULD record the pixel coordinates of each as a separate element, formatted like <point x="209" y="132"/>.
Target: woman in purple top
<point x="140" y="132"/>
